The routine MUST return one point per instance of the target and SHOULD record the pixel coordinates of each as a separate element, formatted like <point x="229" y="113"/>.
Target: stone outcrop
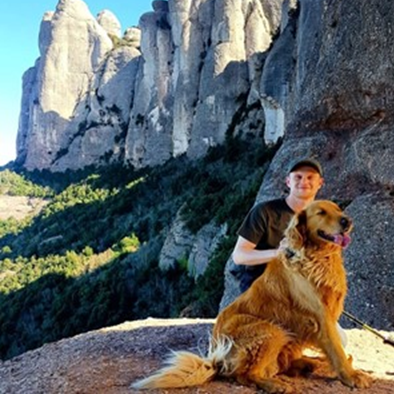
<point x="207" y="240"/>
<point x="98" y="130"/>
<point x="72" y="45"/>
<point x="181" y="246"/>
<point x="148" y="133"/>
<point x="177" y="244"/>
<point x="133" y="36"/>
<point x="197" y="71"/>
<point x="109" y="22"/>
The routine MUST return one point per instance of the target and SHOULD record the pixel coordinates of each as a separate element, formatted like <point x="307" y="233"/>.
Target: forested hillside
<point x="89" y="259"/>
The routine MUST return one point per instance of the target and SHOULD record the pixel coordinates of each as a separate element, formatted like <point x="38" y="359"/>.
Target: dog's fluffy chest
<point x="318" y="276"/>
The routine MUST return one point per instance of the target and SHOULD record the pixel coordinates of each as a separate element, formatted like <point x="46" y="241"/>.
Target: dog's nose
<point x="345" y="222"/>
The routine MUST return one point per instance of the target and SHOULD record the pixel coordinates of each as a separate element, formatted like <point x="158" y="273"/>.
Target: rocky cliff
<point x="318" y="73"/>
<point x="172" y="86"/>
<point x="77" y="97"/>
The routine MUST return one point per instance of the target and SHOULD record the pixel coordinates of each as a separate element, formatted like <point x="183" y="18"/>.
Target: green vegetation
<point x="120" y="42"/>
<point x="14" y="184"/>
<point x="90" y="258"/>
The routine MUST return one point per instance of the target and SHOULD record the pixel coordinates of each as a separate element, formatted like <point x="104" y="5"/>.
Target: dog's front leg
<point x="330" y="343"/>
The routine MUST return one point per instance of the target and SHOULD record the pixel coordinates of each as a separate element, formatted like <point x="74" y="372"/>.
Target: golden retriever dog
<point x="293" y="306"/>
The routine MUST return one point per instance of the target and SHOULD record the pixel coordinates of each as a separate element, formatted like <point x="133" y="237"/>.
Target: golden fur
<point x="295" y="304"/>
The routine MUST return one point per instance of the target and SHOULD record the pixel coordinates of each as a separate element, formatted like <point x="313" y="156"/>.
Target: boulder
<point x="109" y="22"/>
<point x="181" y="246"/>
<point x="133" y="36"/>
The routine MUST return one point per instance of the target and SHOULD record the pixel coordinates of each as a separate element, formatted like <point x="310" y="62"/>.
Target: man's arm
<point x="245" y="253"/>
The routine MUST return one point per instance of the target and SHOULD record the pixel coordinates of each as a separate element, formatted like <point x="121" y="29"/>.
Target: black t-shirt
<point x="264" y="226"/>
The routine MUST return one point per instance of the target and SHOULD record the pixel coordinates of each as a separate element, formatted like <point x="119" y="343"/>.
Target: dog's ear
<point x="296" y="231"/>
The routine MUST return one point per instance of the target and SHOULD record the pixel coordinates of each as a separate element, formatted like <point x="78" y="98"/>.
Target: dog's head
<point x="321" y="222"/>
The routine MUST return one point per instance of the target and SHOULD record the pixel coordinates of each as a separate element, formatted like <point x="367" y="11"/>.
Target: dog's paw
<point x="361" y="379"/>
<point x="357" y="379"/>
<point x="274" y="386"/>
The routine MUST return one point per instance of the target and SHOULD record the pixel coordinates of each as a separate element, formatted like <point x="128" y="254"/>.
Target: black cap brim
<point x="307" y="163"/>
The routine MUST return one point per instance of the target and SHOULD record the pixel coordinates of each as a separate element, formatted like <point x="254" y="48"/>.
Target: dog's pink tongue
<point x="342" y="240"/>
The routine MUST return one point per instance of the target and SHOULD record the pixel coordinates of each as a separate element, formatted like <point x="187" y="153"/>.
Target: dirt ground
<point x="107" y="361"/>
<point x="19" y="207"/>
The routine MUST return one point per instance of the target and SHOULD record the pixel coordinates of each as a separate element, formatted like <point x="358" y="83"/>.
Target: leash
<point x="386" y="339"/>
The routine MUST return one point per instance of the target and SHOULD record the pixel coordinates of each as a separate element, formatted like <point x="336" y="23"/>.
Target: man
<point x="261" y="232"/>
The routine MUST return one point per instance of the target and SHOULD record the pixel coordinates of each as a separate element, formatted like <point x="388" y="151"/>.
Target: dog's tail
<point x="186" y="369"/>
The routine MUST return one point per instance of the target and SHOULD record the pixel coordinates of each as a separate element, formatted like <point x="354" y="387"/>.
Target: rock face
<point x="98" y="130"/>
<point x="109" y="23"/>
<point x="370" y="273"/>
<point x="178" y="84"/>
<point x="61" y="80"/>
<point x="194" y="250"/>
<point x="177" y="244"/>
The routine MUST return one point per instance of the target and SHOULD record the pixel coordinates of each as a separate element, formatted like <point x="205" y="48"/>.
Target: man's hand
<point x="291" y="254"/>
<point x="283" y="246"/>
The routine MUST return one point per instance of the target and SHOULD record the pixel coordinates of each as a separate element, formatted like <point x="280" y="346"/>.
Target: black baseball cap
<point x="308" y="162"/>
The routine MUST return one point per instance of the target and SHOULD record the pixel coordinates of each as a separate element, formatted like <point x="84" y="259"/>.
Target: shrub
<point x="128" y="244"/>
<point x="15" y="184"/>
<point x="87" y="251"/>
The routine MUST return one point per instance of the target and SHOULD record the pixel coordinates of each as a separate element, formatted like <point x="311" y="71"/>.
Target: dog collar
<point x="290" y="253"/>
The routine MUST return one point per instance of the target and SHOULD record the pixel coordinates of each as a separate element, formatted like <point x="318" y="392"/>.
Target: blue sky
<point x="19" y="28"/>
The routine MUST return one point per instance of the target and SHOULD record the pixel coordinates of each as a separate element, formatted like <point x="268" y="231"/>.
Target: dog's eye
<point x="322" y="212"/>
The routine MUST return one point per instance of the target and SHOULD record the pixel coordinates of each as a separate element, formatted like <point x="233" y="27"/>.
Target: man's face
<point x="304" y="182"/>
